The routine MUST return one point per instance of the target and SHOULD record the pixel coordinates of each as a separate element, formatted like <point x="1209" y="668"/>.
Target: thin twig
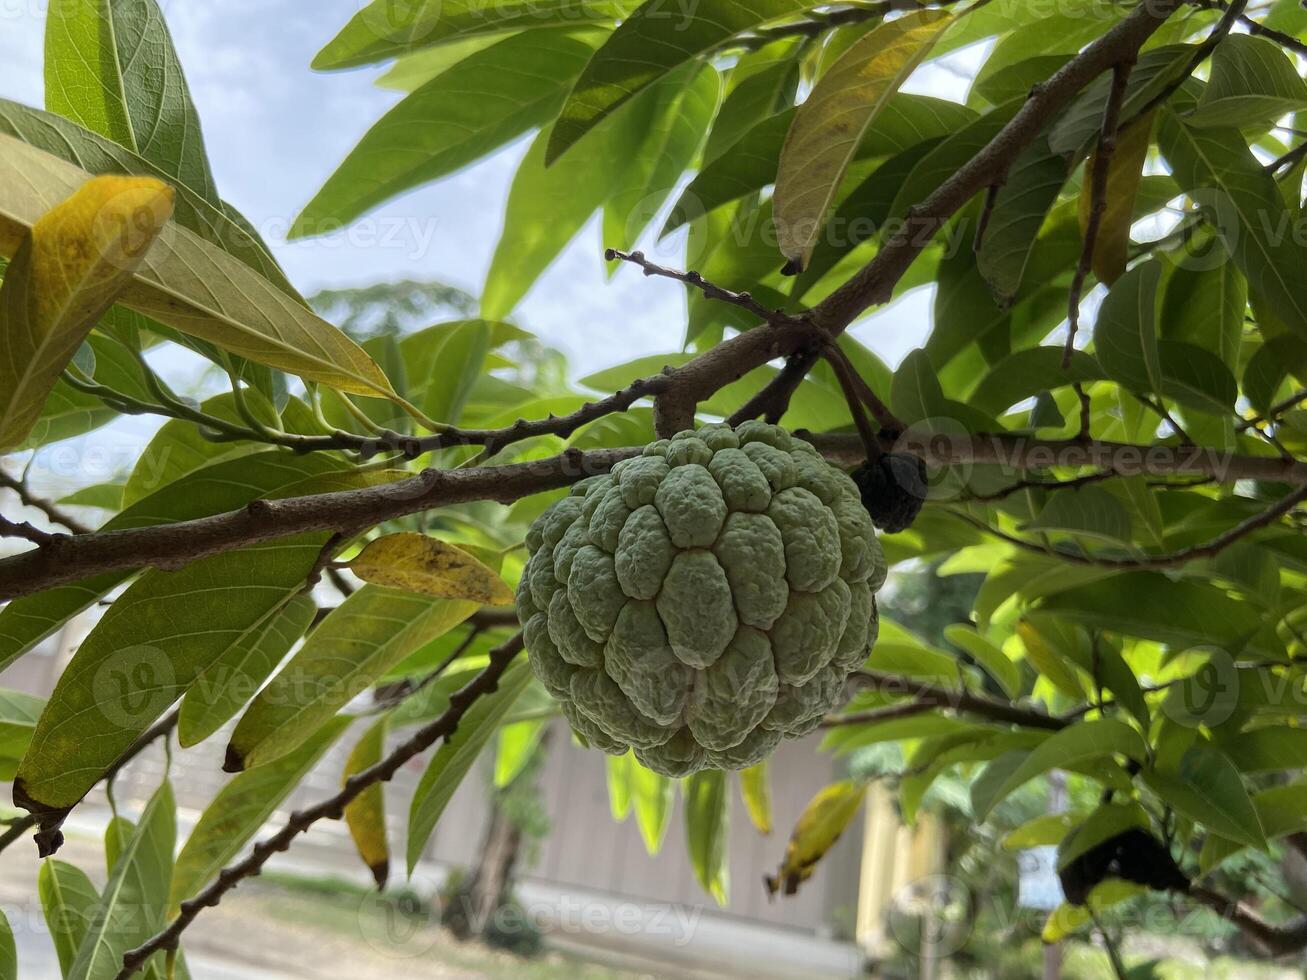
<point x="774" y="398"/>
<point x="957" y="699"/>
<point x="331" y="808"/>
<point x="777" y="318"/>
<point x="1208" y="549"/>
<point x="1101" y="168"/>
<point x="50" y="509"/>
<point x="1288" y="159"/>
<point x="873" y="716"/>
<point x="844" y="374"/>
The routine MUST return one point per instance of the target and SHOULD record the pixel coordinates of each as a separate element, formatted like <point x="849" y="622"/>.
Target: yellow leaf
<point x="418" y="563"/>
<point x="831" y="122"/>
<point x="365" y="815"/>
<point x="755" y="787"/>
<point x="196" y="287"/>
<point x="69" y="269"/>
<point x="820" y="825"/>
<point x="1112" y="244"/>
<point x="1068" y="918"/>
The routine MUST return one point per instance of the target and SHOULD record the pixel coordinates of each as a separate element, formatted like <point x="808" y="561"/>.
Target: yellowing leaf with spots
<point x="68" y="270"/>
<point x="828" y="127"/>
<point x="826" y="816"/>
<point x="1124" y="171"/>
<point x="365" y="815"/>
<point x="417" y="563"/>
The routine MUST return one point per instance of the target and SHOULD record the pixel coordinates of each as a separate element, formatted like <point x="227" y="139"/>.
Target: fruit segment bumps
<point x="704" y="600"/>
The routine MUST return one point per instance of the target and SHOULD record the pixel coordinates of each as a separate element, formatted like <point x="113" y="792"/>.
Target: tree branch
<point x="777" y="318"/>
<point x="1020" y="453"/>
<point x="331" y="808"/>
<point x="955" y="698"/>
<point x="1208" y="549"/>
<point x="173" y="545"/>
<point x="50" y="509"/>
<point x="874" y="284"/>
<point x="1102" y="166"/>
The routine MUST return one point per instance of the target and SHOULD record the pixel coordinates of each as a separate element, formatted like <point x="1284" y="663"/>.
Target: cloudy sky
<point x="275" y="130"/>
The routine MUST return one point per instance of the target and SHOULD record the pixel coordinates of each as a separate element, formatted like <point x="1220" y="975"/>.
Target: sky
<point x="275" y="130"/>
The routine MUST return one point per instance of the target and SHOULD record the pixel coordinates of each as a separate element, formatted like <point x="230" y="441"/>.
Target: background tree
<point x="1128" y="483"/>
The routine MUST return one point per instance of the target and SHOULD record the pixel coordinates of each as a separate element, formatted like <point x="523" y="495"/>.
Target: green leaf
<point x="1125" y="333"/>
<point x="618" y="771"/>
<point x="1152" y="606"/>
<point x="179" y="447"/>
<point x="707" y="827"/>
<point x="653" y="795"/>
<point x="1269" y="749"/>
<point x="830" y="124"/>
<point x="946" y="158"/>
<point x="1090" y="511"/>
<point x="18" y="714"/>
<point x="365" y="815"/>
<point x="1074" y="130"/>
<point x="1078" y="743"/>
<point x="755" y="788"/>
<point x="456" y="366"/>
<point x="1242" y="201"/>
<point x="1205" y="306"/>
<point x="361" y="639"/>
<point x="26" y="621"/>
<point x="1209" y="790"/>
<point x="224" y="687"/>
<point x="548" y="206"/>
<point x="1197" y="378"/>
<point x="111" y="68"/>
<point x="990" y="658"/>
<point x="1253" y="83"/>
<point x="915" y="394"/>
<point x="1025" y="373"/>
<point x="903" y="123"/>
<point x="77" y="259"/>
<point x="650" y="43"/>
<point x="383" y="30"/>
<point x="134" y="900"/>
<point x="1112" y="671"/>
<point x="516" y="745"/>
<point x="475" y="106"/>
<point x="70" y="902"/>
<point x="150" y="646"/>
<point x="8" y="949"/>
<point x="1282" y="810"/>
<point x="675" y="133"/>
<point x="195" y="287"/>
<point x="761" y="84"/>
<point x="213" y="222"/>
<point x="240" y="809"/>
<point x="1041" y="831"/>
<point x="1020" y="210"/>
<point x="455" y="757"/>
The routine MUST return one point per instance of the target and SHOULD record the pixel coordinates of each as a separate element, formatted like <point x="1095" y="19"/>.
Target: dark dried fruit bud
<point x="893" y="488"/>
<point x="1133" y="856"/>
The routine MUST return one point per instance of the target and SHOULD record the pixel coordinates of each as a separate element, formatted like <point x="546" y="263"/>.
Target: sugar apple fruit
<point x="703" y="600"/>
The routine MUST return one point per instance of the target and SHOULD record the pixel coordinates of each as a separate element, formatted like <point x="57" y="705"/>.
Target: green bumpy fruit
<point x="704" y="600"/>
